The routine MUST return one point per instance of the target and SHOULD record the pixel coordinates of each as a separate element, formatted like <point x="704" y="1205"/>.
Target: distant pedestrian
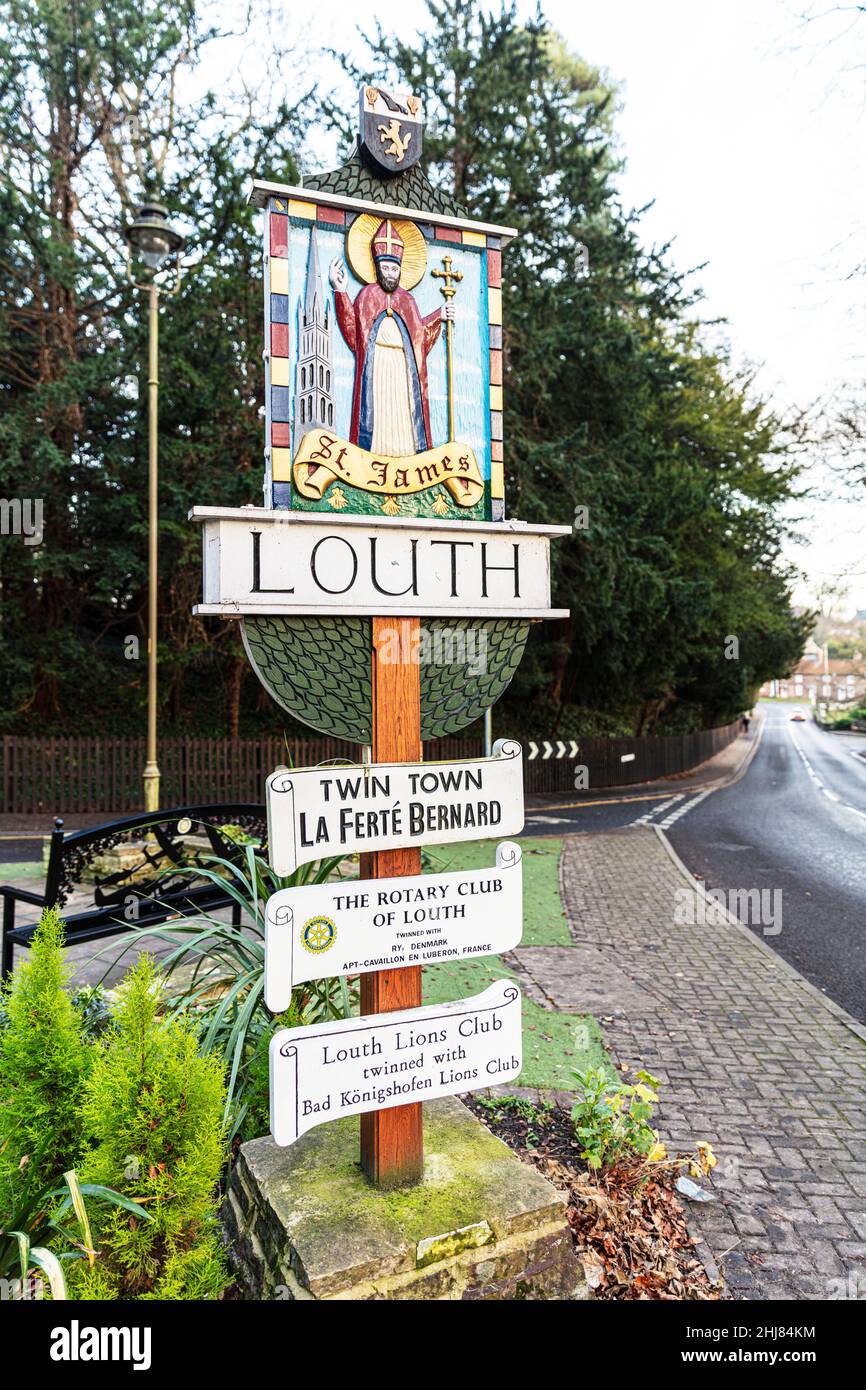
<point x="745" y="723"/>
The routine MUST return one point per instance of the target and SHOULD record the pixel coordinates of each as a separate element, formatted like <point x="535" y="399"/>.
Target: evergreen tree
<point x="45" y="1060"/>
<point x="95" y="117"/>
<point x="615" y="400"/>
<point x="153" y="1108"/>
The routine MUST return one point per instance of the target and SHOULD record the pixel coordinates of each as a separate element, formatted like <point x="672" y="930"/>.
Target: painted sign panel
<point x="351" y="927"/>
<point x="384" y="331"/>
<point x="314" y="812"/>
<point x="266" y="562"/>
<point x="348" y="1067"/>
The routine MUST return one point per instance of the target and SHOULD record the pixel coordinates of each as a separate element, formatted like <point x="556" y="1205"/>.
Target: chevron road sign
<point x="562" y="750"/>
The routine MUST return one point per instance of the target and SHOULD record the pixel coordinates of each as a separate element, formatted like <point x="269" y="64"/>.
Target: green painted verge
<point x="554" y="1044"/>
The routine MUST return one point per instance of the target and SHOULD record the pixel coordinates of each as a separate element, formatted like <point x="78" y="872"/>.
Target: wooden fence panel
<point x="64" y="776"/>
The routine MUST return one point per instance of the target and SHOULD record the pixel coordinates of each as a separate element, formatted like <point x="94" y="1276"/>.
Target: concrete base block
<point x="305" y="1223"/>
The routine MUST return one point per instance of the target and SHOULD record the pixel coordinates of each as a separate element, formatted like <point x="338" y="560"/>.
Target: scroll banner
<point x="352" y="1065"/>
<point x="357" y="925"/>
<point x="323" y="459"/>
<point x="314" y="812"/>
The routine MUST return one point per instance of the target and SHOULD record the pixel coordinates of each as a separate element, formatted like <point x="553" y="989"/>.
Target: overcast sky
<point x="745" y="127"/>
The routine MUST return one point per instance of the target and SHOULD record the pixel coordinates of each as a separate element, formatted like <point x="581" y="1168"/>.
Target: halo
<point x="359" y="251"/>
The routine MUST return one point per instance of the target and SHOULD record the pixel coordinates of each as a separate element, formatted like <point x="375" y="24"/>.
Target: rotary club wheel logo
<point x="319" y="934"/>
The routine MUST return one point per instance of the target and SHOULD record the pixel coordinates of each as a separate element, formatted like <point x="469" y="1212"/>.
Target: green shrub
<point x="154" y="1108"/>
<point x="45" y="1060"/>
<point x="612" y="1119"/>
<point x="59" y="1215"/>
<point x="216" y="971"/>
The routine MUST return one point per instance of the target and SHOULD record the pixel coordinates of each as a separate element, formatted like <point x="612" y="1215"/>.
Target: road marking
<point x="588" y="804"/>
<point x="657" y="810"/>
<point x="682" y="810"/>
<point x="820" y="785"/>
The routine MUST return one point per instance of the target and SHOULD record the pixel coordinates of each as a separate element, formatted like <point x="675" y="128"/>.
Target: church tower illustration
<point x="314" y="404"/>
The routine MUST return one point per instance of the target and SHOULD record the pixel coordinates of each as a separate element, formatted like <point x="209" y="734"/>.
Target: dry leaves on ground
<point x="629" y="1226"/>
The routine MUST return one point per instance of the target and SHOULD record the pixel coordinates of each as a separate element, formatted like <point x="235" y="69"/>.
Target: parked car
<point x="799" y="716"/>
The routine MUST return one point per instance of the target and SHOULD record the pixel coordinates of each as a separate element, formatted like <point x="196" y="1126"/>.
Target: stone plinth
<point x="305" y="1223"/>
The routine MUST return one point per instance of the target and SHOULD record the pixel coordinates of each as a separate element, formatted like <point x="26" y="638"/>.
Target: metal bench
<point x="157" y="880"/>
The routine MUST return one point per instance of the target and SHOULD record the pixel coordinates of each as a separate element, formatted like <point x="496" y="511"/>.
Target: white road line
<point x="683" y="810"/>
<point x="690" y="800"/>
<point x="647" y="817"/>
<point x="819" y="784"/>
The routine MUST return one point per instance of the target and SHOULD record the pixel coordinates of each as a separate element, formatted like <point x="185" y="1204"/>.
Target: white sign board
<point x="261" y="561"/>
<point x="314" y="812"/>
<point x="354" y="1065"/>
<point x="359" y="925"/>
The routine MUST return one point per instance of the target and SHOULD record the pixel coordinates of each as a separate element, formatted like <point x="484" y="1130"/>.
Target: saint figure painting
<point x="387" y="335"/>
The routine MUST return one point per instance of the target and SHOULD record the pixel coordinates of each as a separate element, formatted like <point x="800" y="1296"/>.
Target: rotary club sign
<point x="352" y="927"/>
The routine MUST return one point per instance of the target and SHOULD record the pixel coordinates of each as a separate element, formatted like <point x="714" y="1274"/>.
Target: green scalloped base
<point x="319" y="669"/>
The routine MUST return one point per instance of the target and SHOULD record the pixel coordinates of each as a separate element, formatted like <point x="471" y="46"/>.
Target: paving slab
<point x="584" y="979"/>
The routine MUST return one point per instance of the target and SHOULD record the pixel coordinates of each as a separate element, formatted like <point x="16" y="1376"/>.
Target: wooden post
<point x="392" y="1142"/>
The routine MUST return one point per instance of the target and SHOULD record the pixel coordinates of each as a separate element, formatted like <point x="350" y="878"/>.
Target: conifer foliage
<point x="154" y="1109"/>
<point x="45" y="1060"/>
<point x="625" y="412"/>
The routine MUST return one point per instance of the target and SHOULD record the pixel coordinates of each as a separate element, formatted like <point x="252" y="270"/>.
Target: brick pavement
<point x="751" y="1057"/>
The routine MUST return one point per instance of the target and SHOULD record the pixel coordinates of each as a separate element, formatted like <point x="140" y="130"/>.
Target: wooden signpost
<point x="384" y="527"/>
<point x="392" y="1139"/>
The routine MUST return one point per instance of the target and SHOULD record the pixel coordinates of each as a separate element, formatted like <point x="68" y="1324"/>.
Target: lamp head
<point x="152" y="236"/>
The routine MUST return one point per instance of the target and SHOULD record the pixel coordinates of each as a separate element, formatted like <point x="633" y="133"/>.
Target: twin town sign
<point x="316" y="812"/>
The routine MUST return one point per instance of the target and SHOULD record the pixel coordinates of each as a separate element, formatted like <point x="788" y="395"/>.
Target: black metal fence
<point x="620" y="762"/>
<point x="68" y="775"/>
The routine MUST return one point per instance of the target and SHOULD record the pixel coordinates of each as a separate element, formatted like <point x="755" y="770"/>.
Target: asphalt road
<point x="795" y="825"/>
<point x="615" y="808"/>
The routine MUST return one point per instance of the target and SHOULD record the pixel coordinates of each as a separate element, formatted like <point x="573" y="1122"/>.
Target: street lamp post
<point x="152" y="237"/>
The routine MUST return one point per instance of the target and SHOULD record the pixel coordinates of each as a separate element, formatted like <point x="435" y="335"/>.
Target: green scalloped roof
<point x="412" y="190"/>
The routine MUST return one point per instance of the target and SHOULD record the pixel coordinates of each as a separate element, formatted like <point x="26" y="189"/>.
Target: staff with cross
<point x="448" y="290"/>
